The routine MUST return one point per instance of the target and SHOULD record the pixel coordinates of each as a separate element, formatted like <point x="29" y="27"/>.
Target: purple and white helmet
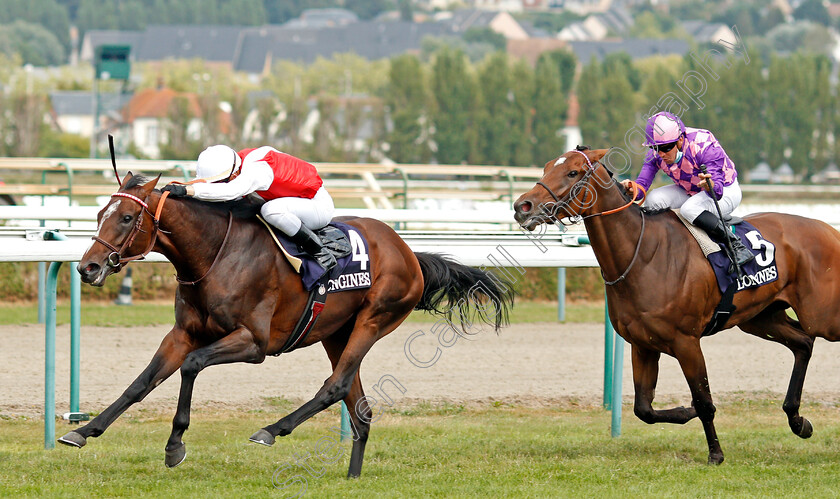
<point x="663" y="128"/>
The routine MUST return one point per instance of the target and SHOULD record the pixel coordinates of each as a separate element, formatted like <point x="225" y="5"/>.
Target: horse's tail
<point x="471" y="292"/>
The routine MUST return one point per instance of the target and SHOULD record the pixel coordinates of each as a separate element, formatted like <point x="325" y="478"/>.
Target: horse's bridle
<point x="585" y="180"/>
<point x="116" y="259"/>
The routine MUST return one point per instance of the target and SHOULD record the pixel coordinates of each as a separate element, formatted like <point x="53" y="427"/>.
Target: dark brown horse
<point x="248" y="298"/>
<point x="662" y="291"/>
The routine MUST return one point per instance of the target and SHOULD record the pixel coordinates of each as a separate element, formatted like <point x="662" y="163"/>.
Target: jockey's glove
<point x="176" y="190"/>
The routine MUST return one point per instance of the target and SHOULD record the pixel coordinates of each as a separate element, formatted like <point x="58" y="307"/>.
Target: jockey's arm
<point x="255" y="176"/>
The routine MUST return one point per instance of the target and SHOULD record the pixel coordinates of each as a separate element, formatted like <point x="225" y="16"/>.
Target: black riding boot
<point x="312" y="245"/>
<point x="714" y="227"/>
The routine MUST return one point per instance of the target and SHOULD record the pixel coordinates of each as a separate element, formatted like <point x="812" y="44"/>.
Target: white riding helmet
<point x="217" y="163"/>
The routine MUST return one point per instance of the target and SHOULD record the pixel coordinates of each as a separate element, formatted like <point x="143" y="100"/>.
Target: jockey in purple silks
<point x="679" y="152"/>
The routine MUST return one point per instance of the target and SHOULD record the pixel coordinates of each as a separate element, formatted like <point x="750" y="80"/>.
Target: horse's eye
<point x="126" y="218"/>
<point x="573" y="173"/>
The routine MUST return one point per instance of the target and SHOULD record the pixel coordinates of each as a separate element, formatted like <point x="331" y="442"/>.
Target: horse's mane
<point x="246" y="208"/>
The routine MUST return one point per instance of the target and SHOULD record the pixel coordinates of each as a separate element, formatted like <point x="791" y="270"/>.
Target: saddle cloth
<point x="757" y="272"/>
<point x="345" y="242"/>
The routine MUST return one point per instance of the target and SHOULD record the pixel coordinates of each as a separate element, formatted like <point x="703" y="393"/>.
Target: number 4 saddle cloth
<point x="351" y="253"/>
<point x="757" y="272"/>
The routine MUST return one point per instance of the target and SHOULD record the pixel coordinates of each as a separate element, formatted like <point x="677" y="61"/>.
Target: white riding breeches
<point x="674" y="197"/>
<point x="287" y="214"/>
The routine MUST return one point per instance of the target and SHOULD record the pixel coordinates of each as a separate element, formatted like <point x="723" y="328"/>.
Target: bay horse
<point x="661" y="290"/>
<point x="239" y="299"/>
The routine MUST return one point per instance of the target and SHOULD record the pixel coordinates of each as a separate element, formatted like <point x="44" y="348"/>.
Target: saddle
<point x="758" y="272"/>
<point x="317" y="282"/>
<point x="331" y="237"/>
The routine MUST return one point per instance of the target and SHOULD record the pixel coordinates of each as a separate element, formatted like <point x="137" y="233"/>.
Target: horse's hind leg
<point x="238" y="346"/>
<point x="371" y="324"/>
<point x="357" y="407"/>
<point x="169" y="356"/>
<point x="775" y="325"/>
<point x="688" y="354"/>
<point x="645" y="374"/>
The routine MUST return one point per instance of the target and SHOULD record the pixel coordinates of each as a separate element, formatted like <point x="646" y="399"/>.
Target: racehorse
<point x="239" y="299"/>
<point x="662" y="291"/>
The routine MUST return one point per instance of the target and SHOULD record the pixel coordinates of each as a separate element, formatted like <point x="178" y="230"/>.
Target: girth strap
<point x="313" y="308"/>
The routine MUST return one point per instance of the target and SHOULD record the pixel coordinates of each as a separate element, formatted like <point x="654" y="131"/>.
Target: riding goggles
<point x="664" y="147"/>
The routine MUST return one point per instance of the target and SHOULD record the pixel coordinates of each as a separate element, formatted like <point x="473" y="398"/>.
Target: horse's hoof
<point x="176" y="456"/>
<point x="73" y="439"/>
<point x="262" y="437"/>
<point x="715" y="458"/>
<point x="807" y="430"/>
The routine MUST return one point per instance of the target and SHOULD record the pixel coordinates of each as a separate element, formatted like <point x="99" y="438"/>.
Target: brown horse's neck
<point x="614" y="236"/>
<point x="190" y="237"/>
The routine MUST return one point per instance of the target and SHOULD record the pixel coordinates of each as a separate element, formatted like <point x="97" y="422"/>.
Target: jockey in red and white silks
<point x="296" y="201"/>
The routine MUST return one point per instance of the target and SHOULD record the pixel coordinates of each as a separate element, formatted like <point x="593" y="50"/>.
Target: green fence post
<point x="561" y="294"/>
<point x="609" y="336"/>
<point x="618" y="364"/>
<point x="49" y="355"/>
<point x="346" y="432"/>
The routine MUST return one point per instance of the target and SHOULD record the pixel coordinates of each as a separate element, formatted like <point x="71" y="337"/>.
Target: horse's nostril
<point x="525" y="207"/>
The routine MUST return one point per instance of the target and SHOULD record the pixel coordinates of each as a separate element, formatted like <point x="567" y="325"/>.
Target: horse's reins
<point x="116" y="259"/>
<point x="634" y="186"/>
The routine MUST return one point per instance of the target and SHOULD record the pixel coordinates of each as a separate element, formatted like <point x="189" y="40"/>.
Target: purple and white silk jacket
<point x="700" y="147"/>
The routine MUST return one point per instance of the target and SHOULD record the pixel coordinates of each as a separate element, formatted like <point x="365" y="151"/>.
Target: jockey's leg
<point x="297" y="217"/>
<point x="700" y="210"/>
<point x="669" y="196"/>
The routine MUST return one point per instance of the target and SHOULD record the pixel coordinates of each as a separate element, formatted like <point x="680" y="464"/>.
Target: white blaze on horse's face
<point x="560" y="160"/>
<point x="110" y="211"/>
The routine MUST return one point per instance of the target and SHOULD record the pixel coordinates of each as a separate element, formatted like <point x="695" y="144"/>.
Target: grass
<point x="437" y="451"/>
<point x="148" y="314"/>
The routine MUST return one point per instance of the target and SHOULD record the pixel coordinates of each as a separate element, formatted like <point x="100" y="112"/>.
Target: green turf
<point x="143" y="314"/>
<point x="496" y="450"/>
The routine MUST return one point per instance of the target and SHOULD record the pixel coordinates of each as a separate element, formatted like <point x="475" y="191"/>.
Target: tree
<point x="812" y="10"/>
<point x="499" y="128"/>
<point x="406" y="10"/>
<point x="366" y="9"/>
<point x="566" y="63"/>
<point x="407" y="101"/>
<point x="32" y="42"/>
<point x="486" y="35"/>
<point x="550" y="109"/>
<point x="454" y="96"/>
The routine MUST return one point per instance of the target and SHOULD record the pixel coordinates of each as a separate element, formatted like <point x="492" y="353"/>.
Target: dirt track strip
<point x="530" y="364"/>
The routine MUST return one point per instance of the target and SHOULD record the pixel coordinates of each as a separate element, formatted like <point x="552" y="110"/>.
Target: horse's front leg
<point x="688" y="353"/>
<point x="645" y="375"/>
<point x="169" y="356"/>
<point x="238" y="346"/>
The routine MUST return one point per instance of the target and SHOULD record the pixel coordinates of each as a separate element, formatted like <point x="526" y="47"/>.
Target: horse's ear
<point x="596" y="154"/>
<point x="150" y="185"/>
<point x="126" y="178"/>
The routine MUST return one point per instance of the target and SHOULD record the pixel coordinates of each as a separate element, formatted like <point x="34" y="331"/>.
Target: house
<point x="583" y="7"/>
<point x="616" y="21"/>
<point x="499" y="5"/>
<point x="503" y="23"/>
<point x="217" y="45"/>
<point x="716" y="33"/>
<point x="638" y="48"/>
<point x="261" y="47"/>
<point x="531" y="49"/>
<point x="72" y="111"/>
<point x="323" y="18"/>
<point x="146" y="118"/>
